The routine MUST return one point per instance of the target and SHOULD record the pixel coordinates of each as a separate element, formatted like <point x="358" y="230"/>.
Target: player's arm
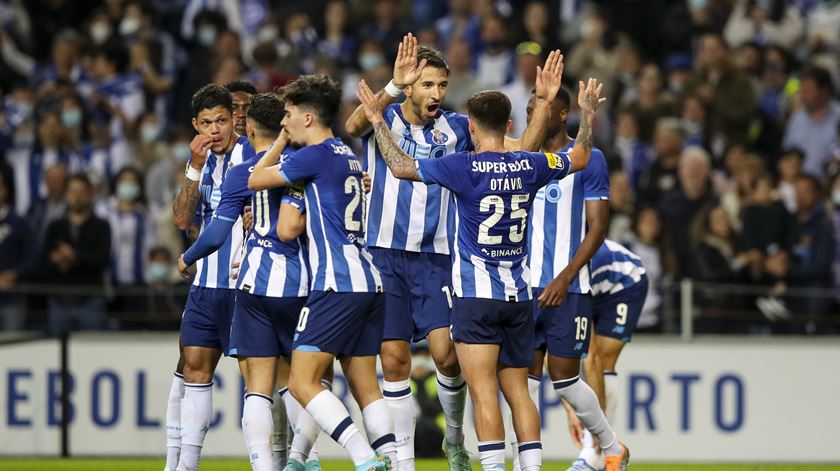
<point x="406" y="72"/>
<point x="549" y="79"/>
<point x="183" y="209"/>
<point x="401" y="165"/>
<point x="589" y="100"/>
<point x="266" y="172"/>
<point x="291" y="222"/>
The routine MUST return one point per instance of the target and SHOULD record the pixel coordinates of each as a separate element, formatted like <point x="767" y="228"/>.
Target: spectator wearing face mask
<point x="339" y="43"/>
<point x="162" y="183"/>
<point x="496" y="63"/>
<point x="132" y="231"/>
<point x="164" y="303"/>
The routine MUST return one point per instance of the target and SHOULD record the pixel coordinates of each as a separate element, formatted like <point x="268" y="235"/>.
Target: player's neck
<point x="557" y="142"/>
<point x="234" y="138"/>
<point x="261" y="144"/>
<point x="410" y="116"/>
<point x="317" y="136"/>
<point x="489" y="142"/>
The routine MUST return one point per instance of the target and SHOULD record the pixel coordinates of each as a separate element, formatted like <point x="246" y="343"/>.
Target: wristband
<point x="193" y="174"/>
<point x="392" y="89"/>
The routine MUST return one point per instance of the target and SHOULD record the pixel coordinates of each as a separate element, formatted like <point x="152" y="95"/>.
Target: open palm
<point x="406" y="68"/>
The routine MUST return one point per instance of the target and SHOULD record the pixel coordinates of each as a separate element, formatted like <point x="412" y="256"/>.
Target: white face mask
<point x="129" y="25"/>
<point x="835" y="197"/>
<point x="207" y="35"/>
<point x="149" y="133"/>
<point x="100" y="32"/>
<point x="268" y="34"/>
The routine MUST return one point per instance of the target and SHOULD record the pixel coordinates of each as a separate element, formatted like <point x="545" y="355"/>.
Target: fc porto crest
<point x="439" y="137"/>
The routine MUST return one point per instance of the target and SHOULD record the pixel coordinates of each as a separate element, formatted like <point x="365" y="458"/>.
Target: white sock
<point x="492" y="455"/>
<point x="196" y="409"/>
<point x="585" y="403"/>
<point x="173" y="421"/>
<point x="588" y="453"/>
<point x="399" y="399"/>
<point x="530" y="455"/>
<point x="279" y="448"/>
<point x="379" y="424"/>
<point x="331" y="415"/>
<point x="452" y="394"/>
<point x="313" y="453"/>
<point x="258" y="429"/>
<point x="304" y="429"/>
<point x="534" y="386"/>
<point x="611" y="395"/>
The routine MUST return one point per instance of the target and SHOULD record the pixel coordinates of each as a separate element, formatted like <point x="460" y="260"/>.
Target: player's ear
<point x="564" y="115"/>
<point x="195" y="125"/>
<point x="308" y="119"/>
<point x="407" y="91"/>
<point x="471" y="125"/>
<point x="508" y="126"/>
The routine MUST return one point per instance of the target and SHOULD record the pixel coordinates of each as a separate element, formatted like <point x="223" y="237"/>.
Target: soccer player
<point x="409" y="237"/>
<point x="568" y="223"/>
<point x="492" y="322"/>
<point x="619" y="288"/>
<point x="241" y="91"/>
<point x="344" y="313"/>
<point x="205" y="324"/>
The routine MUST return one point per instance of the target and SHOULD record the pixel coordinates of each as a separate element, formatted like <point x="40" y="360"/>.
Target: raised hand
<point x="198" y="150"/>
<point x="369" y="104"/>
<point x="406" y="68"/>
<point x="589" y="96"/>
<point x="549" y="76"/>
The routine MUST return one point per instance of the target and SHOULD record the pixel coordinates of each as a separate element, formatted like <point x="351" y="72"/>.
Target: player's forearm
<point x="401" y="165"/>
<point x="534" y="135"/>
<point x="582" y="150"/>
<point x="266" y="172"/>
<point x="357" y="124"/>
<point x="183" y="209"/>
<point x="291" y="223"/>
<point x="271" y="156"/>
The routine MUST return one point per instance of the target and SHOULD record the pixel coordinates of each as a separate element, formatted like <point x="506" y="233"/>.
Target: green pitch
<point x="33" y="464"/>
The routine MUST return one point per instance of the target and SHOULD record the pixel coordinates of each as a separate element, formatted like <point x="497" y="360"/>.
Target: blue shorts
<point x="207" y="318"/>
<point x="563" y="330"/>
<point x="344" y="324"/>
<point x="263" y="326"/>
<point x="492" y="321"/>
<point x="417" y="290"/>
<point x="616" y="315"/>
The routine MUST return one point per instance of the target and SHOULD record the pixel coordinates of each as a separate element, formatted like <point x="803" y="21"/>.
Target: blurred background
<point x="722" y="135"/>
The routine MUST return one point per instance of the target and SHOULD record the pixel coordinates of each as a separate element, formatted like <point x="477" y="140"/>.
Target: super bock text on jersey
<point x="493" y="194"/>
<point x="344" y="312"/>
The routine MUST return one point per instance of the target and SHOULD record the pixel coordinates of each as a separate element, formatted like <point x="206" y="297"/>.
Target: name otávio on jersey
<point x="557" y="223"/>
<point x="615" y="268"/>
<point x="272" y="267"/>
<point x="493" y="194"/>
<point x="335" y="209"/>
<point x="214" y="271"/>
<point x="406" y="215"/>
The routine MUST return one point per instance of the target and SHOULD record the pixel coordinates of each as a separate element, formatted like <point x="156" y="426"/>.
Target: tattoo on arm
<point x="401" y="165"/>
<point x="584" y="135"/>
<point x="185" y="203"/>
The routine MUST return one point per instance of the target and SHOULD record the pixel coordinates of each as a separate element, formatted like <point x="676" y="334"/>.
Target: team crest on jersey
<point x="439" y="137"/>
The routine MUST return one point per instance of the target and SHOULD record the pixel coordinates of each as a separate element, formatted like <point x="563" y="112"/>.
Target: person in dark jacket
<point x="16" y="249"/>
<point x="76" y="253"/>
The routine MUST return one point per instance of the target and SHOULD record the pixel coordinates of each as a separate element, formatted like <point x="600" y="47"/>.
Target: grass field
<point x="32" y="464"/>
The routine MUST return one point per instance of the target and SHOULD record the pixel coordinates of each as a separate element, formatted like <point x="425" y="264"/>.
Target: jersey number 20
<point x="496" y="204"/>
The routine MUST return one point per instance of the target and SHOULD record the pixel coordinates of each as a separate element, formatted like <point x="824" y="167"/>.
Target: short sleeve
<point x="235" y="193"/>
<point x="294" y="196"/>
<point x="550" y="166"/>
<point x="596" y="178"/>
<point x="303" y="165"/>
<point x="444" y="171"/>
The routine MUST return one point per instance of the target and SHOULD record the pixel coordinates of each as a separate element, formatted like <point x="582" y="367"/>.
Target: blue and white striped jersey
<point x="270" y="266"/>
<point x="614" y="268"/>
<point x="335" y="210"/>
<point x="558" y="222"/>
<point x="493" y="195"/>
<point x="213" y="271"/>
<point x="132" y="236"/>
<point x="405" y="215"/>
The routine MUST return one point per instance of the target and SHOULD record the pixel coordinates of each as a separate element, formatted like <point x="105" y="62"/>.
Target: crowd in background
<point x="722" y="131"/>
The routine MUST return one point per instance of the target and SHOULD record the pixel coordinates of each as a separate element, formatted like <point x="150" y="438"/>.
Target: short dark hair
<point x="564" y="97"/>
<point x="820" y="76"/>
<point x="211" y="96"/>
<point x="489" y="109"/>
<point x="115" y="53"/>
<point x="816" y="185"/>
<point x="433" y="57"/>
<point x="796" y="152"/>
<point x="241" y="86"/>
<point x="81" y="178"/>
<point x="317" y="92"/>
<point x="266" y="112"/>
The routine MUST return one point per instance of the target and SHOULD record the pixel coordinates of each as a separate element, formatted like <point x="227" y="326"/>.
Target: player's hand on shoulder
<point x="406" y="68"/>
<point x="369" y="104"/>
<point x="198" y="150"/>
<point x="589" y="95"/>
<point x="549" y="76"/>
